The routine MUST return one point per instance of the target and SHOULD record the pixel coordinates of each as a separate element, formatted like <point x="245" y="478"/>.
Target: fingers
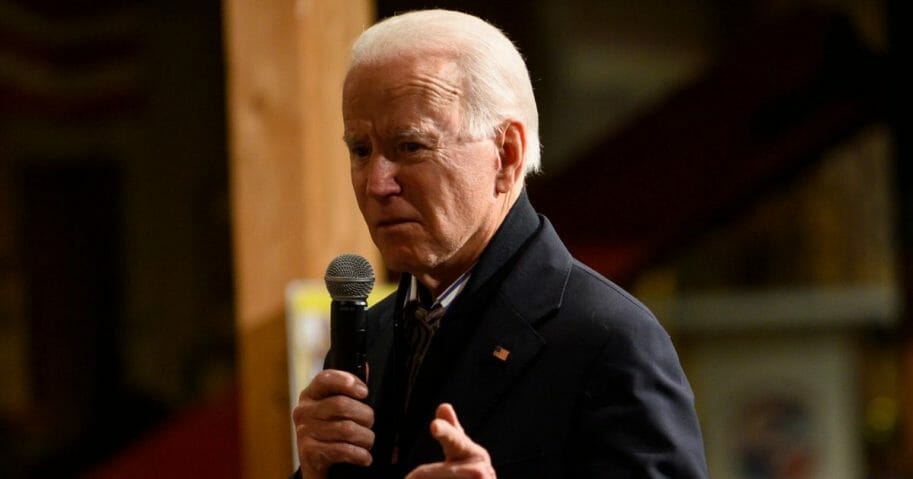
<point x="446" y="429"/>
<point x="331" y="382"/>
<point x="443" y="470"/>
<point x="336" y="430"/>
<point x="332" y="424"/>
<point x="463" y="458"/>
<point x="317" y="456"/>
<point x="338" y="408"/>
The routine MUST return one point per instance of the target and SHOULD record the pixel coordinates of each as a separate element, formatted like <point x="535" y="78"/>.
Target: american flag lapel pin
<point x="501" y="353"/>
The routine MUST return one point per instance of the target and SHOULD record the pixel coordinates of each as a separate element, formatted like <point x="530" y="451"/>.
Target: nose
<point x="381" y="177"/>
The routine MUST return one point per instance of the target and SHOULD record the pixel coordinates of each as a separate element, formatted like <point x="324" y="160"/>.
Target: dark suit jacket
<point x="591" y="386"/>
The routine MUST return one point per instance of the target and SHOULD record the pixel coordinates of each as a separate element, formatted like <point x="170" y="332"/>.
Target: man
<point x="538" y="367"/>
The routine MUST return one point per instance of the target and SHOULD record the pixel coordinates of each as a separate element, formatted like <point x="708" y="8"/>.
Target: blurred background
<point x="741" y="166"/>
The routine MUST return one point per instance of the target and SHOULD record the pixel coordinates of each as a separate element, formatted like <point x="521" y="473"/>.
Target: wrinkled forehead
<point x="403" y="90"/>
<point x="434" y="77"/>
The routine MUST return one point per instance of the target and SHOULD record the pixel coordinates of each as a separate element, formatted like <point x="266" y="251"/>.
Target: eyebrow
<point x="349" y="138"/>
<point x="411" y="132"/>
<point x="400" y="134"/>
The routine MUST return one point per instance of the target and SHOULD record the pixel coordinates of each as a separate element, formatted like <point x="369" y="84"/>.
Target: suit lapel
<point x="382" y="379"/>
<point x="500" y="350"/>
<point x="381" y="337"/>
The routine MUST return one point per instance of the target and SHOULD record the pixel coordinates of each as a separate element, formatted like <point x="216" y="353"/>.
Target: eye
<point x="359" y="151"/>
<point x="410" y="147"/>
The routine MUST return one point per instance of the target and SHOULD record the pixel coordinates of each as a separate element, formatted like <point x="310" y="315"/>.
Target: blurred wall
<point x="112" y="132"/>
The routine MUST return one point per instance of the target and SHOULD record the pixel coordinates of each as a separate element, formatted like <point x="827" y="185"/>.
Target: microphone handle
<point x="348" y="337"/>
<point x="348" y="352"/>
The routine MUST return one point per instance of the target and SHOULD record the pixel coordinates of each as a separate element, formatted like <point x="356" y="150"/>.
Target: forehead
<point x="426" y="82"/>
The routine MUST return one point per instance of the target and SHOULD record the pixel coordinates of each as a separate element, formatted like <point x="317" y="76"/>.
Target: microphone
<point x="349" y="279"/>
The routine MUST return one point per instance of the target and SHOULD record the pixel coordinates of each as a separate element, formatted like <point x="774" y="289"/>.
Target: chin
<point x="404" y="261"/>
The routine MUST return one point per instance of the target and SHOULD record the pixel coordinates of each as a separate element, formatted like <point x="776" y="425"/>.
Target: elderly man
<point x="499" y="354"/>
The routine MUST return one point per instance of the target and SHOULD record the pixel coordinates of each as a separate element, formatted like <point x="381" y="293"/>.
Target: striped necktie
<point x="421" y="324"/>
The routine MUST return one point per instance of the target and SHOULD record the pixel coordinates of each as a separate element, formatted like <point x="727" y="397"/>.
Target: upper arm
<point x="637" y="416"/>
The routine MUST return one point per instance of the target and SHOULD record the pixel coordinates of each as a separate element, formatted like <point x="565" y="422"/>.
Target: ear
<point x="511" y="153"/>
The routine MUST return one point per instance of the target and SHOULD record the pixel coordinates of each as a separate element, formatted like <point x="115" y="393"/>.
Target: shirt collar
<point x="449" y="294"/>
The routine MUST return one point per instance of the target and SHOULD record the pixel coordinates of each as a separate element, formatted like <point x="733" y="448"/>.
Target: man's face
<point x="426" y="192"/>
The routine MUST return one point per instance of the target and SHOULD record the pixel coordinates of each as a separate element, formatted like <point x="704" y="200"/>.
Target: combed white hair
<point x="497" y="80"/>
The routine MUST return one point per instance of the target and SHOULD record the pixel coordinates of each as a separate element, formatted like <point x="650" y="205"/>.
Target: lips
<point x="387" y="223"/>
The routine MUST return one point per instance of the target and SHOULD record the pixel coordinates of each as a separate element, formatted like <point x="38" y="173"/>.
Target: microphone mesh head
<point x="349" y="276"/>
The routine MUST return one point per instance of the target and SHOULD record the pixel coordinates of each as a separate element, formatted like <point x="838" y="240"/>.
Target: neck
<point x="439" y="278"/>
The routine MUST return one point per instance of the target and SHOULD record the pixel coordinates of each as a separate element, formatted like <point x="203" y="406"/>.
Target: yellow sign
<point x="308" y="329"/>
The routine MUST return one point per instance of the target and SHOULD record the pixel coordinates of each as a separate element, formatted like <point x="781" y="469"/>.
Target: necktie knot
<point x="425" y="318"/>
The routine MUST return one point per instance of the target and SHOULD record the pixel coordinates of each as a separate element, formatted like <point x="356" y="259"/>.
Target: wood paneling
<point x="293" y="208"/>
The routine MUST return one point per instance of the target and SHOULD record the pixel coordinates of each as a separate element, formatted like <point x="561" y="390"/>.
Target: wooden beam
<point x="293" y="208"/>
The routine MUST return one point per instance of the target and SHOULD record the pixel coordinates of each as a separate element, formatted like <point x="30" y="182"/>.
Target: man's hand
<point x="462" y="457"/>
<point x="332" y="425"/>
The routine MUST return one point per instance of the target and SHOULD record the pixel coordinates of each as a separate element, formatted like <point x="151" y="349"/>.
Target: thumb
<point x="447" y="413"/>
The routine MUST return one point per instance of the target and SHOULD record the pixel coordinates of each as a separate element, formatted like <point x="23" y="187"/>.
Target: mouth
<point x="393" y="222"/>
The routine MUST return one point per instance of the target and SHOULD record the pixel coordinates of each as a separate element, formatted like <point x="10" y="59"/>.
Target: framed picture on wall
<point x="777" y="407"/>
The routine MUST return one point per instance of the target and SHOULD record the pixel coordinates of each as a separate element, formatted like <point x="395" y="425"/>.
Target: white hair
<point x="497" y="80"/>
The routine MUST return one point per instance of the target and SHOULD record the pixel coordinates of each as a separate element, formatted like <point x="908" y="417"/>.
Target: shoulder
<point x="627" y="339"/>
<point x="557" y="293"/>
<point x="609" y="330"/>
<point x="586" y="287"/>
<point x="599" y="305"/>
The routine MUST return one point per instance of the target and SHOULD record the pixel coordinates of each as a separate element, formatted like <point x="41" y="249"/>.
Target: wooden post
<point x="293" y="208"/>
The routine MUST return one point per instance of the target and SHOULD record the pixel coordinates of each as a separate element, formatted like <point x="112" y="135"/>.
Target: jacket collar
<point x="523" y="261"/>
<point x="520" y="224"/>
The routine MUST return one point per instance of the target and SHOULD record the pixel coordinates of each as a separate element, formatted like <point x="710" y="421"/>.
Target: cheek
<point x="358" y="187"/>
<point x="465" y="201"/>
<point x="475" y="188"/>
<point x="358" y="182"/>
